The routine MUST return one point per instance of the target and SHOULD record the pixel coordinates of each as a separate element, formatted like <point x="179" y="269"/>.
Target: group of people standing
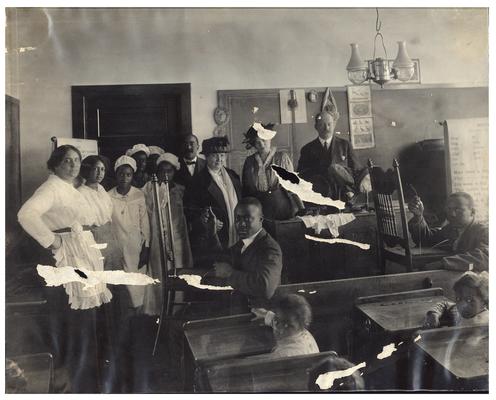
<point x="83" y="225"/>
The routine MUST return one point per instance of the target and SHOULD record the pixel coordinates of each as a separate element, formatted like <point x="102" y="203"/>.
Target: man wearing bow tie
<point x="256" y="259"/>
<point x="330" y="163"/>
<point x="466" y="239"/>
<point x="190" y="163"/>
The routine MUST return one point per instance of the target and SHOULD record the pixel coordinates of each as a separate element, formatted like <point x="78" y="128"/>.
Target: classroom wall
<point x="48" y="50"/>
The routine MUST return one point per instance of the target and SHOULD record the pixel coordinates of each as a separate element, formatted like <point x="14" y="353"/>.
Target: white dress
<point x="100" y="202"/>
<point x="132" y="229"/>
<point x="102" y="208"/>
<point x="56" y="205"/>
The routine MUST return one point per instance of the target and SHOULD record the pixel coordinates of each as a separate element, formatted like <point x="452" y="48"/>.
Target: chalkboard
<point x="467" y="160"/>
<point x="402" y="116"/>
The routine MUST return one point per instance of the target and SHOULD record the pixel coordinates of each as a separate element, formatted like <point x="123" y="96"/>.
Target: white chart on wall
<point x="467" y="160"/>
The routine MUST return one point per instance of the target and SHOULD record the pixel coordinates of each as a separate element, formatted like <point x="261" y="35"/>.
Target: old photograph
<point x="246" y="200"/>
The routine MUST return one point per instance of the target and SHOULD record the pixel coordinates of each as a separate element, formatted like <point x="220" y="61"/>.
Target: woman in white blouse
<point x="130" y="223"/>
<point x="59" y="218"/>
<point x="93" y="172"/>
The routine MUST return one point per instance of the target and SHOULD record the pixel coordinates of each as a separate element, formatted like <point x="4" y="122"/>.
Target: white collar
<point x="328" y="141"/>
<point x="215" y="173"/>
<point x="249" y="240"/>
<point x="193" y="160"/>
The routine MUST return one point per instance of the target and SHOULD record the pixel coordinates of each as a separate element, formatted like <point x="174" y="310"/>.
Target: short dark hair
<point x="250" y="201"/>
<point x="465" y="196"/>
<point x="294" y="311"/>
<point x="88" y="163"/>
<point x="480" y="282"/>
<point x="347" y="383"/>
<point x="58" y="155"/>
<point x="191" y="134"/>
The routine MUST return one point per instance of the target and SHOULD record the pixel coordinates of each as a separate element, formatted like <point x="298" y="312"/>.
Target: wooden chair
<point x="392" y="226"/>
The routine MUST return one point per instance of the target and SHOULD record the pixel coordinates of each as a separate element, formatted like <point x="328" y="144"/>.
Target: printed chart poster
<point x="361" y="121"/>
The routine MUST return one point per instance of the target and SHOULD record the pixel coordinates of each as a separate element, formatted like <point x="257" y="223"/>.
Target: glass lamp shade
<point x="357" y="69"/>
<point x="403" y="65"/>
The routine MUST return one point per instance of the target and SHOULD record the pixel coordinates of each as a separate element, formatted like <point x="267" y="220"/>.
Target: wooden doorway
<point x="119" y="116"/>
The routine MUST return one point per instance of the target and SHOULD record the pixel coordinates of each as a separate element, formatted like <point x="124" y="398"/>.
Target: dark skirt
<point x="276" y="204"/>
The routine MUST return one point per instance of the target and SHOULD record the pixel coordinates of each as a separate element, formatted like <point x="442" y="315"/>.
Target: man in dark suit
<point x="330" y="163"/>
<point x="190" y="164"/>
<point x="463" y="237"/>
<point x="216" y="189"/>
<point x="256" y="260"/>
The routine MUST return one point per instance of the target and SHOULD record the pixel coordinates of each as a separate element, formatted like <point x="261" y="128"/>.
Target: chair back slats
<point x="392" y="225"/>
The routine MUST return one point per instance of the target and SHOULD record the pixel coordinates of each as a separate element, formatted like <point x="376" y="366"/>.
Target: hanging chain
<point x="378" y="25"/>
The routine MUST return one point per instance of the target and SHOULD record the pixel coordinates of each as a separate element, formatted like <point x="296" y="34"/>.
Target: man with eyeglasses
<point x="463" y="236"/>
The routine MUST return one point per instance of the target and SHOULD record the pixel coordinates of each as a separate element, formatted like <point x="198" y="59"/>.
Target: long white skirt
<point x="77" y="251"/>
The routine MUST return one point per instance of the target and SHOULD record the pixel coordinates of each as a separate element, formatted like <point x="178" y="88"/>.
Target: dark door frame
<point x="81" y="93"/>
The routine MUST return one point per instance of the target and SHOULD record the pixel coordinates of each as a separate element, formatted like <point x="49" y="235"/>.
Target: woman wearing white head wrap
<point x="167" y="165"/>
<point x="260" y="180"/>
<point x="151" y="165"/>
<point x="140" y="153"/>
<point x="130" y="224"/>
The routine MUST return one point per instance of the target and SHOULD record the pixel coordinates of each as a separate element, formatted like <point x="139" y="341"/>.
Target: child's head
<point x="472" y="293"/>
<point x="125" y="167"/>
<point x="352" y="382"/>
<point x="292" y="315"/>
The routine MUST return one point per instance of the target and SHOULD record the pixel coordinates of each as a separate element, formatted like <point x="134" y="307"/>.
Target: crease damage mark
<point x="293" y="183"/>
<point x="57" y="276"/>
<point x="325" y="381"/>
<point x="195" y="281"/>
<point x="387" y="351"/>
<point x="363" y="246"/>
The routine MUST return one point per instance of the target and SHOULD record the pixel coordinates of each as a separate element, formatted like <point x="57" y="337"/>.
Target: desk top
<point x="462" y="351"/>
<point x="288" y="374"/>
<point x="228" y="337"/>
<point x="400" y="311"/>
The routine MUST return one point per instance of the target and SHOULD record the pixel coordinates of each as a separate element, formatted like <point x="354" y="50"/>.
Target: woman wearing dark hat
<point x="260" y="180"/>
<point x="216" y="189"/>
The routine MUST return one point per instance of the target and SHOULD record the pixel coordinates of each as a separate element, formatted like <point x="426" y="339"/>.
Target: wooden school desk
<point x="255" y="375"/>
<point x="398" y="313"/>
<point x="308" y="261"/>
<point x="222" y="338"/>
<point x="387" y="319"/>
<point x="227" y="337"/>
<point x="456" y="358"/>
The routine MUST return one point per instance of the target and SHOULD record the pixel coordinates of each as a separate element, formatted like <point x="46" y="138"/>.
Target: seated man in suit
<point x="463" y="236"/>
<point x="330" y="163"/>
<point x="190" y="164"/>
<point x="255" y="262"/>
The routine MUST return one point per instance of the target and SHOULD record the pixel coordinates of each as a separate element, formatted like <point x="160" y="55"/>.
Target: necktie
<point x="325" y="146"/>
<point x="237" y="247"/>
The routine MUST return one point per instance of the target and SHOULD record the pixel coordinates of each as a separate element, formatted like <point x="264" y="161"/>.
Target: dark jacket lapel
<point x="214" y="191"/>
<point x="252" y="248"/>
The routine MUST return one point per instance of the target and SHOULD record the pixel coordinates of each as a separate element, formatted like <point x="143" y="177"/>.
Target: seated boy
<point x="351" y="382"/>
<point x="471" y="307"/>
<point x="289" y="318"/>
